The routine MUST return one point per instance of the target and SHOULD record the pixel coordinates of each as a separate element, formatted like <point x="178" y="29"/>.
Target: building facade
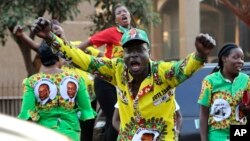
<point x="182" y="20"/>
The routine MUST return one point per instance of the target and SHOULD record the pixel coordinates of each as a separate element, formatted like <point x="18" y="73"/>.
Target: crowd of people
<point x="135" y="93"/>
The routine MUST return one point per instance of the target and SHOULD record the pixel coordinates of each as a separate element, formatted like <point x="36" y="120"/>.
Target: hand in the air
<point x="204" y="44"/>
<point x="42" y="28"/>
<point x="18" y="30"/>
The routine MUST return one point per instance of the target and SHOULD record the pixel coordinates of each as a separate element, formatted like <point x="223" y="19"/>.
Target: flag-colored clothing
<point x="223" y="97"/>
<point x="111" y="37"/>
<point x="152" y="110"/>
<point x="46" y="100"/>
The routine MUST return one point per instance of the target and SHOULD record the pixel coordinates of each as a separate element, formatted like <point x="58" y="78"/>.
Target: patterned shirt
<point x="152" y="110"/>
<point x="89" y="50"/>
<point x="222" y="97"/>
<point x="87" y="77"/>
<point x="47" y="101"/>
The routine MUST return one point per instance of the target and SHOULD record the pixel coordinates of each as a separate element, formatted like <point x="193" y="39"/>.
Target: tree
<point x="22" y="12"/>
<point x="141" y="10"/>
<point x="241" y="10"/>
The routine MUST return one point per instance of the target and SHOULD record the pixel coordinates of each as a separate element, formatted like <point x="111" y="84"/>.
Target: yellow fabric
<point x="92" y="51"/>
<point x="88" y="78"/>
<point x="75" y="43"/>
<point x="89" y="50"/>
<point x="153" y="110"/>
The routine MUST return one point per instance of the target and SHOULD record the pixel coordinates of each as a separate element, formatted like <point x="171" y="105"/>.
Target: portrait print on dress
<point x="45" y="91"/>
<point x="69" y="88"/>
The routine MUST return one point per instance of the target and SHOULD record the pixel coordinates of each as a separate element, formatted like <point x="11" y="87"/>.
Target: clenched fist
<point x="42" y="28"/>
<point x="204" y="44"/>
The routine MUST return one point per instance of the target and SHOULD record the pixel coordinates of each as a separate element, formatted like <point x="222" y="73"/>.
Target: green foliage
<point x="141" y="10"/>
<point x="12" y="12"/>
<point x="22" y="12"/>
<point x="63" y="9"/>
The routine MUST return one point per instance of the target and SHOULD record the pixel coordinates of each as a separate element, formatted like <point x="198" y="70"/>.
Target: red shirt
<point x="111" y="37"/>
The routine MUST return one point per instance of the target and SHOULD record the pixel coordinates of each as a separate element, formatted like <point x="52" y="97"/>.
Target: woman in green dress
<point x="46" y="101"/>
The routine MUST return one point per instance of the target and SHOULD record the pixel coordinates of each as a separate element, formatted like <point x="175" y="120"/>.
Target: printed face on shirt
<point x="234" y="62"/>
<point x="122" y="16"/>
<point x="147" y="137"/>
<point x="71" y="89"/>
<point x="220" y="110"/>
<point x="136" y="57"/>
<point x="43" y="91"/>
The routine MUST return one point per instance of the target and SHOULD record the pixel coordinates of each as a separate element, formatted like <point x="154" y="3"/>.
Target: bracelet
<point x="198" y="57"/>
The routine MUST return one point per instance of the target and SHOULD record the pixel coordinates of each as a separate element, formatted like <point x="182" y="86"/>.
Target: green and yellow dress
<point x="46" y="100"/>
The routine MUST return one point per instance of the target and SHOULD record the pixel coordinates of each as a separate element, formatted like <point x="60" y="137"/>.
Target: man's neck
<point x="138" y="79"/>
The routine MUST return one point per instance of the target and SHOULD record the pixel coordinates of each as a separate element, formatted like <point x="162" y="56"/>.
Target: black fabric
<point x="106" y="96"/>
<point x="87" y="126"/>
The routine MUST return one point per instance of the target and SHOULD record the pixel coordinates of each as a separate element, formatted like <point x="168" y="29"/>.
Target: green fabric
<point x="222" y="97"/>
<point x="122" y="29"/>
<point x="218" y="135"/>
<point x="135" y="34"/>
<point x="59" y="112"/>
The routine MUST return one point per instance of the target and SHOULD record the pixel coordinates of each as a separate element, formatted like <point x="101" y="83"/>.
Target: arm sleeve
<point x="92" y="51"/>
<point x="83" y="100"/>
<point x="102" y="67"/>
<point x="205" y="95"/>
<point x="28" y="109"/>
<point x="176" y="72"/>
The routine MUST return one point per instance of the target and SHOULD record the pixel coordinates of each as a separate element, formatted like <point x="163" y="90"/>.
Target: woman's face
<point x="234" y="62"/>
<point x="122" y="16"/>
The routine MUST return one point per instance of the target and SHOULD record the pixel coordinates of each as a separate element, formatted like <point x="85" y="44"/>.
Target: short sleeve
<point x="205" y="95"/>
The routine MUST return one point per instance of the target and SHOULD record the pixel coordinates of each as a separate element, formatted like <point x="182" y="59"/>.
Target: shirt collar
<point x="122" y="29"/>
<point x="225" y="79"/>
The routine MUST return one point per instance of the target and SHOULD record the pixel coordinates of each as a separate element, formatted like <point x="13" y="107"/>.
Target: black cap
<point x="48" y="58"/>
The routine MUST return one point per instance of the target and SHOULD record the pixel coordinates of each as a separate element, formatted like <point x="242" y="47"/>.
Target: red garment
<point x="111" y="37"/>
